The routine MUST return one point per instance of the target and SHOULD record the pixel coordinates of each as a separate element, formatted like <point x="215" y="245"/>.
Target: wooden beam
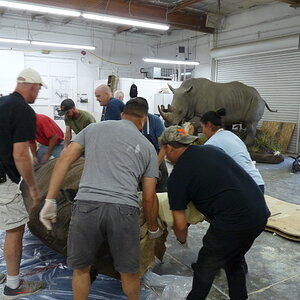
<point x="183" y="4"/>
<point x="293" y="3"/>
<point x="135" y="10"/>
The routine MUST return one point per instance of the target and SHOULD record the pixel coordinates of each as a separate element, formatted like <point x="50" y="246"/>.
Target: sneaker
<point x="2" y="278"/>
<point x="25" y="288"/>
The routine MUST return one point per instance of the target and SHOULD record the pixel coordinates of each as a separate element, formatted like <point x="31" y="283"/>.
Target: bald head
<point x="103" y="94"/>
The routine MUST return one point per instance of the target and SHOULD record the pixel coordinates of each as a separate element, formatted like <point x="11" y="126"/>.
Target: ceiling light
<point x="40" y="8"/>
<point x="123" y="21"/>
<point x="172" y="62"/>
<point x="3" y="40"/>
<point x="62" y="45"/>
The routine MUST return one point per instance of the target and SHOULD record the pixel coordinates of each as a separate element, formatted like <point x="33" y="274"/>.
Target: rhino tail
<point x="269" y="109"/>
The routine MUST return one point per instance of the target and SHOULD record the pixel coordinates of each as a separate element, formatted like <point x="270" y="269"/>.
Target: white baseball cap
<point x="30" y="76"/>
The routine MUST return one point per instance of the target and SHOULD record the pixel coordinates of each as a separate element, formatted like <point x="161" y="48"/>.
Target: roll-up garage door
<point x="276" y="76"/>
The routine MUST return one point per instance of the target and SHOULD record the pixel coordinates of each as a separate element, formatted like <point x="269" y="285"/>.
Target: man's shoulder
<point x="116" y="102"/>
<point x="85" y="112"/>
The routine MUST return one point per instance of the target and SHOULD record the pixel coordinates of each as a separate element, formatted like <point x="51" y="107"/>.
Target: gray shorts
<point x="93" y="223"/>
<point x="12" y="209"/>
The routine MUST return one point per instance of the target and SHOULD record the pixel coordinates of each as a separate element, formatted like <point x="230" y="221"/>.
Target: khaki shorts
<point x="12" y="209"/>
<point x="94" y="223"/>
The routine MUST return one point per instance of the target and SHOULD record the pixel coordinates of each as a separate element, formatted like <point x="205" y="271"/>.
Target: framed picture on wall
<point x="56" y="109"/>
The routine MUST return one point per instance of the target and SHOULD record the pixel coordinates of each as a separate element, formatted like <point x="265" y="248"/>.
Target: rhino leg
<point x="251" y="132"/>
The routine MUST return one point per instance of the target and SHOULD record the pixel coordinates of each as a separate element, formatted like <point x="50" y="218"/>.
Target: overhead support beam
<point x="293" y="3"/>
<point x="135" y="10"/>
<point x="183" y="4"/>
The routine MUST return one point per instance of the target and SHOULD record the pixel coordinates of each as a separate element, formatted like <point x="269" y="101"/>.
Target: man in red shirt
<point x="50" y="137"/>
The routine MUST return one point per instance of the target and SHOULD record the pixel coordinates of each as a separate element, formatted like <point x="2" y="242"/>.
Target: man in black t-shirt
<point x="17" y="128"/>
<point x="227" y="196"/>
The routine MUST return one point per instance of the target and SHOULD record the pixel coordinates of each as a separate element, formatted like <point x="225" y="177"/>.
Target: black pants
<point x="2" y="174"/>
<point x="223" y="249"/>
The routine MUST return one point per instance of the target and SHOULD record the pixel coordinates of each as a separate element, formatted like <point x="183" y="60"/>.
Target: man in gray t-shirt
<point x="117" y="157"/>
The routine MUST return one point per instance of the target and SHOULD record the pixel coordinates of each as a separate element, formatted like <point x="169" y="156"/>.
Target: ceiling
<point x="196" y="15"/>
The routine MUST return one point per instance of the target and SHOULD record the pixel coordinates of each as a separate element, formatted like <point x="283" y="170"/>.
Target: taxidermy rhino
<point x="196" y="96"/>
<point x="56" y="239"/>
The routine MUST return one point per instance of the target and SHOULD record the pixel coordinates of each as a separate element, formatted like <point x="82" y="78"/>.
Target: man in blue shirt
<point x="152" y="130"/>
<point x="112" y="107"/>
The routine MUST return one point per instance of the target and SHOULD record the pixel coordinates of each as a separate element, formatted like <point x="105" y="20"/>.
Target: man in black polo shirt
<point x="224" y="193"/>
<point x="17" y="128"/>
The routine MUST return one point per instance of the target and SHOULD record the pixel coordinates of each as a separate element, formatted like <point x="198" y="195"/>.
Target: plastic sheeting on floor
<point x="41" y="263"/>
<point x="174" y="286"/>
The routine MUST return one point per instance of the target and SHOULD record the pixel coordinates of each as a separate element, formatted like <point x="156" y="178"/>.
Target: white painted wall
<point x="147" y="88"/>
<point x="121" y="54"/>
<point x="252" y="25"/>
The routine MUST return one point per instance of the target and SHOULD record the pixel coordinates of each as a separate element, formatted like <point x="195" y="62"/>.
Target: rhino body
<point x="196" y="96"/>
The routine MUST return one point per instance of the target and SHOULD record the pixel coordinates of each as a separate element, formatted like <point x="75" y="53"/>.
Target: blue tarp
<point x="41" y="263"/>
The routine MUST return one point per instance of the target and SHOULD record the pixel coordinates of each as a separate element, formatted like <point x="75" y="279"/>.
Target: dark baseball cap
<point x="177" y="134"/>
<point x="65" y="106"/>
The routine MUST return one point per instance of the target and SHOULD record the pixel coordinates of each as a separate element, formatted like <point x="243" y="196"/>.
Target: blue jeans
<point x="55" y="152"/>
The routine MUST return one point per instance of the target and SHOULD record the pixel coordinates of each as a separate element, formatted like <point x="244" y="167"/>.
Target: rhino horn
<point x="165" y="115"/>
<point x="170" y="108"/>
<point x="171" y="88"/>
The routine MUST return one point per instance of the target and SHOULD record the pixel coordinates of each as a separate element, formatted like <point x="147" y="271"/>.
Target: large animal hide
<point x="56" y="239"/>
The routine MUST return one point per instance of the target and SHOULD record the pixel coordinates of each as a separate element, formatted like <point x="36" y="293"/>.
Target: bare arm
<point x="68" y="136"/>
<point x="33" y="151"/>
<point x="24" y="165"/>
<point x="161" y="155"/>
<point x="150" y="202"/>
<point x="71" y="154"/>
<point x="180" y="226"/>
<point x="52" y="143"/>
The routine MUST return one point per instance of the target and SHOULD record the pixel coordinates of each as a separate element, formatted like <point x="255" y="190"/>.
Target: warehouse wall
<point x="253" y="25"/>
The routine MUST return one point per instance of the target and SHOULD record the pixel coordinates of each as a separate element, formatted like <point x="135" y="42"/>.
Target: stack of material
<point x="56" y="239"/>
<point x="284" y="219"/>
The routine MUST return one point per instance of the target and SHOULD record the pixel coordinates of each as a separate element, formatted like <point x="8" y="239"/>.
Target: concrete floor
<point x="274" y="262"/>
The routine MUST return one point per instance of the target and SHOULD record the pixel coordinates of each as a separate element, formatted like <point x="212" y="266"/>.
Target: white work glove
<point x="184" y="245"/>
<point x="48" y="213"/>
<point x="155" y="234"/>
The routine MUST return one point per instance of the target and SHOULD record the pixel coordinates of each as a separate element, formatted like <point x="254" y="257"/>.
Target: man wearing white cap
<point x="17" y="128"/>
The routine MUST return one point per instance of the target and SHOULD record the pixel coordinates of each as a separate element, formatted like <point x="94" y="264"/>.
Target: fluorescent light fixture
<point x="172" y="62"/>
<point x="40" y="8"/>
<point x="62" y="45"/>
<point x="4" y="40"/>
<point x="124" y="21"/>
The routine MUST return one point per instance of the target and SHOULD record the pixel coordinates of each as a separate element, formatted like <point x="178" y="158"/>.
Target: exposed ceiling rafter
<point x="183" y="4"/>
<point x="136" y="9"/>
<point x="293" y="3"/>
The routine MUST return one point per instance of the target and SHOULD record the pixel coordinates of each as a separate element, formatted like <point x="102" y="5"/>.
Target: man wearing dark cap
<point x="225" y="193"/>
<point x="107" y="205"/>
<point x="17" y="128"/>
<point x="75" y="119"/>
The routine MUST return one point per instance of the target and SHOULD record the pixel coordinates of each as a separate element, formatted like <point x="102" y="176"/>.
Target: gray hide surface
<point x="196" y="96"/>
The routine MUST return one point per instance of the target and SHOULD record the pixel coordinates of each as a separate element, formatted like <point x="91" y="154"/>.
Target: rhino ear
<point x="171" y="88"/>
<point x="188" y="90"/>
